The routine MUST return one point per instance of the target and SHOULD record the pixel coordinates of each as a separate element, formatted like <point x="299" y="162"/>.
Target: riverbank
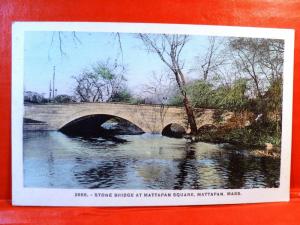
<point x="260" y="139"/>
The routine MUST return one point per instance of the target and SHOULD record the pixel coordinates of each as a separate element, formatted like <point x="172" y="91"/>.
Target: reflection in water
<point x="236" y="169"/>
<point x="52" y="159"/>
<point x="50" y="163"/>
<point x="187" y="167"/>
<point x="103" y="176"/>
<point x="270" y="170"/>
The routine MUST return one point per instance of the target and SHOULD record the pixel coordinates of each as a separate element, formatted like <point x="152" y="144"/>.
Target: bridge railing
<point x="100" y="103"/>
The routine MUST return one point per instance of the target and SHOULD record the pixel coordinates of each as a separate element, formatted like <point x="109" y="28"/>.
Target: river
<point x="146" y="161"/>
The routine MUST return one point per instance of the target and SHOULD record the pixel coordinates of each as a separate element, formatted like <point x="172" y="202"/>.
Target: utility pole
<point x="50" y="91"/>
<point x="53" y="80"/>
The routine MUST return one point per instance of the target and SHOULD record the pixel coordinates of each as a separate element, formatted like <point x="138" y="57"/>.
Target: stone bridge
<point x="149" y="118"/>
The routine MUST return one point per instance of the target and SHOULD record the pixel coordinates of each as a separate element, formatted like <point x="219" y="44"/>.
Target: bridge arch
<point x="123" y="114"/>
<point x="173" y="130"/>
<point x="91" y="125"/>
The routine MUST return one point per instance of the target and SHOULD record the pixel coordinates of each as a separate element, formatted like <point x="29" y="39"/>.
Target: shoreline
<point x="266" y="150"/>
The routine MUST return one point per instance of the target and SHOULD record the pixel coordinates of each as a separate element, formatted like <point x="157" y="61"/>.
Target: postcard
<point x="135" y="114"/>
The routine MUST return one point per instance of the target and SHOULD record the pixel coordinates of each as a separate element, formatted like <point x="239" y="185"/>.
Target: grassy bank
<point x="253" y="136"/>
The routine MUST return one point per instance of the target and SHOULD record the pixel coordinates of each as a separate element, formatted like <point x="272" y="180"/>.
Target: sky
<point x="42" y="52"/>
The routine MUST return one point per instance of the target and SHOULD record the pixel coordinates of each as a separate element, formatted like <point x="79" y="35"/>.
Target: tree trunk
<point x="168" y="48"/>
<point x="190" y="115"/>
<point x="187" y="105"/>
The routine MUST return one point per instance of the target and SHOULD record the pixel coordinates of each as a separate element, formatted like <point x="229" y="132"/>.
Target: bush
<point x="121" y="96"/>
<point x="255" y="135"/>
<point x="64" y="99"/>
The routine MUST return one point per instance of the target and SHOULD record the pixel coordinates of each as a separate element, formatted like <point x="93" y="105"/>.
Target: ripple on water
<point x="52" y="159"/>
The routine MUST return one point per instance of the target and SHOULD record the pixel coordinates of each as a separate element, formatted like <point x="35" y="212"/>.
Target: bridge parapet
<point x="150" y="118"/>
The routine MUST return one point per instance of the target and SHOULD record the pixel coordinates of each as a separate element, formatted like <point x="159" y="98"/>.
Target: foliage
<point x="273" y="96"/>
<point x="64" y="99"/>
<point x="259" y="60"/>
<point x="100" y="83"/>
<point x="138" y="100"/>
<point x="232" y="97"/>
<point x="175" y="100"/>
<point x="202" y="94"/>
<point x="122" y="95"/>
<point x="256" y="135"/>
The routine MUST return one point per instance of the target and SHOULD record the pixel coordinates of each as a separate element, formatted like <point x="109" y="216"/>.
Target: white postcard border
<point x="66" y="197"/>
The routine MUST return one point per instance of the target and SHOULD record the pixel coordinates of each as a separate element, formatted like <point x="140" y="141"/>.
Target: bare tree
<point x="58" y="40"/>
<point x="246" y="57"/>
<point x="158" y="88"/>
<point x="169" y="48"/>
<point x="100" y="83"/>
<point x="260" y="60"/>
<point x="213" y="59"/>
<point x="271" y="59"/>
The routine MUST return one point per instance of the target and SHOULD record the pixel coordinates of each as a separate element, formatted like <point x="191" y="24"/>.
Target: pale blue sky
<point x="42" y="52"/>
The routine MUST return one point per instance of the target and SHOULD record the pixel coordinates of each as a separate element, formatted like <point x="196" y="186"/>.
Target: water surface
<point x="54" y="160"/>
